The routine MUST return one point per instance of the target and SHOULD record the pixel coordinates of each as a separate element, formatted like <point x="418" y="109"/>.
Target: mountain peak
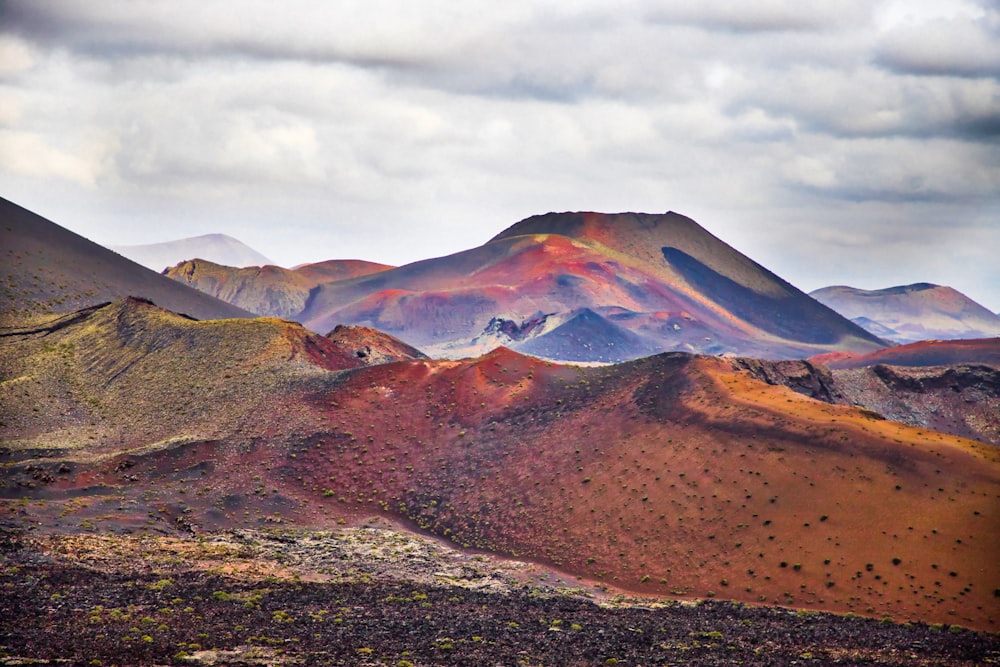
<point x="218" y="248"/>
<point x="907" y="313"/>
<point x="596" y="225"/>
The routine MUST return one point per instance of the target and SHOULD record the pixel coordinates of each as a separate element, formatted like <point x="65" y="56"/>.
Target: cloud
<point x="896" y="170"/>
<point x="16" y="57"/>
<point x="962" y="46"/>
<point x="869" y="102"/>
<point x="29" y="154"/>
<point x="394" y="131"/>
<point x="763" y="15"/>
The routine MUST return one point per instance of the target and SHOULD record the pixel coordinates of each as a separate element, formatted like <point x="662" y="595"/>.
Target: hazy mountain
<point x="910" y="313"/>
<point x="618" y="287"/>
<point x="51" y="270"/>
<point x="267" y="290"/>
<point x="672" y="475"/>
<point x="218" y="248"/>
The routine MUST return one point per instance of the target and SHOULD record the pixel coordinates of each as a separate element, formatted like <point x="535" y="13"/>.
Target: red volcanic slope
<point x="923" y="353"/>
<point x="372" y="346"/>
<point x="670" y="475"/>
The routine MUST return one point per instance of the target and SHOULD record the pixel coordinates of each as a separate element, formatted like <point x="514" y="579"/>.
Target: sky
<point x="852" y="142"/>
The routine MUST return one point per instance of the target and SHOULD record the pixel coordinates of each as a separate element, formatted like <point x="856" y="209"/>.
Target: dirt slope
<point x="923" y="353"/>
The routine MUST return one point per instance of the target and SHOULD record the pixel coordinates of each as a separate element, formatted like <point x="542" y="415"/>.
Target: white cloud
<point x="959" y="46"/>
<point x="393" y="130"/>
<point x="28" y="154"/>
<point x="763" y="15"/>
<point x="16" y="57"/>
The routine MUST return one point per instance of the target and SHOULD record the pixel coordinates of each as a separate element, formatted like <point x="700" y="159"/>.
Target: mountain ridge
<point x="662" y="278"/>
<point x="908" y="313"/>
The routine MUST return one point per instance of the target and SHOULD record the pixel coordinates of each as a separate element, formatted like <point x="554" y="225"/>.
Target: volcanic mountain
<point x="213" y="247"/>
<point x="910" y="313"/>
<point x="51" y="270"/>
<point x="585" y="287"/>
<point x="672" y="475"/>
<point x="271" y="291"/>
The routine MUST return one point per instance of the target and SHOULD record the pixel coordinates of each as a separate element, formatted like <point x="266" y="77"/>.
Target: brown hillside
<point x="372" y="346"/>
<point x="673" y="475"/>
<point x="267" y="290"/>
<point x="51" y="270"/>
<point x="961" y="398"/>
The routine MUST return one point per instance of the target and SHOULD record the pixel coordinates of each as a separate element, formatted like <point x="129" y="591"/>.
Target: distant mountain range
<point x="910" y="313"/>
<point x="218" y="248"/>
<point x="567" y="286"/>
<point x="50" y="270"/>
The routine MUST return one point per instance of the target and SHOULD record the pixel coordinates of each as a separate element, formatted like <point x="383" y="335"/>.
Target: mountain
<point x="51" y="270"/>
<point x="588" y="287"/>
<point x="671" y="475"/>
<point x="910" y="313"/>
<point x="218" y="248"/>
<point x="267" y="290"/>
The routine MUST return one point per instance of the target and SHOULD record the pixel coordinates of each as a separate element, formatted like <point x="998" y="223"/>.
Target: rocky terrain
<point x="271" y="291"/>
<point x="246" y="491"/>
<point x="949" y="386"/>
<point x="378" y="596"/>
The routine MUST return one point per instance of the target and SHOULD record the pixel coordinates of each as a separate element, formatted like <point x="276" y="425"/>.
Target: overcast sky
<point x="835" y="142"/>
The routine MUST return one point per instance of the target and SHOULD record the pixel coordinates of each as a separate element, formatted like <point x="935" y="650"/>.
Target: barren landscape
<point x="378" y="596"/>
<point x="247" y="491"/>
